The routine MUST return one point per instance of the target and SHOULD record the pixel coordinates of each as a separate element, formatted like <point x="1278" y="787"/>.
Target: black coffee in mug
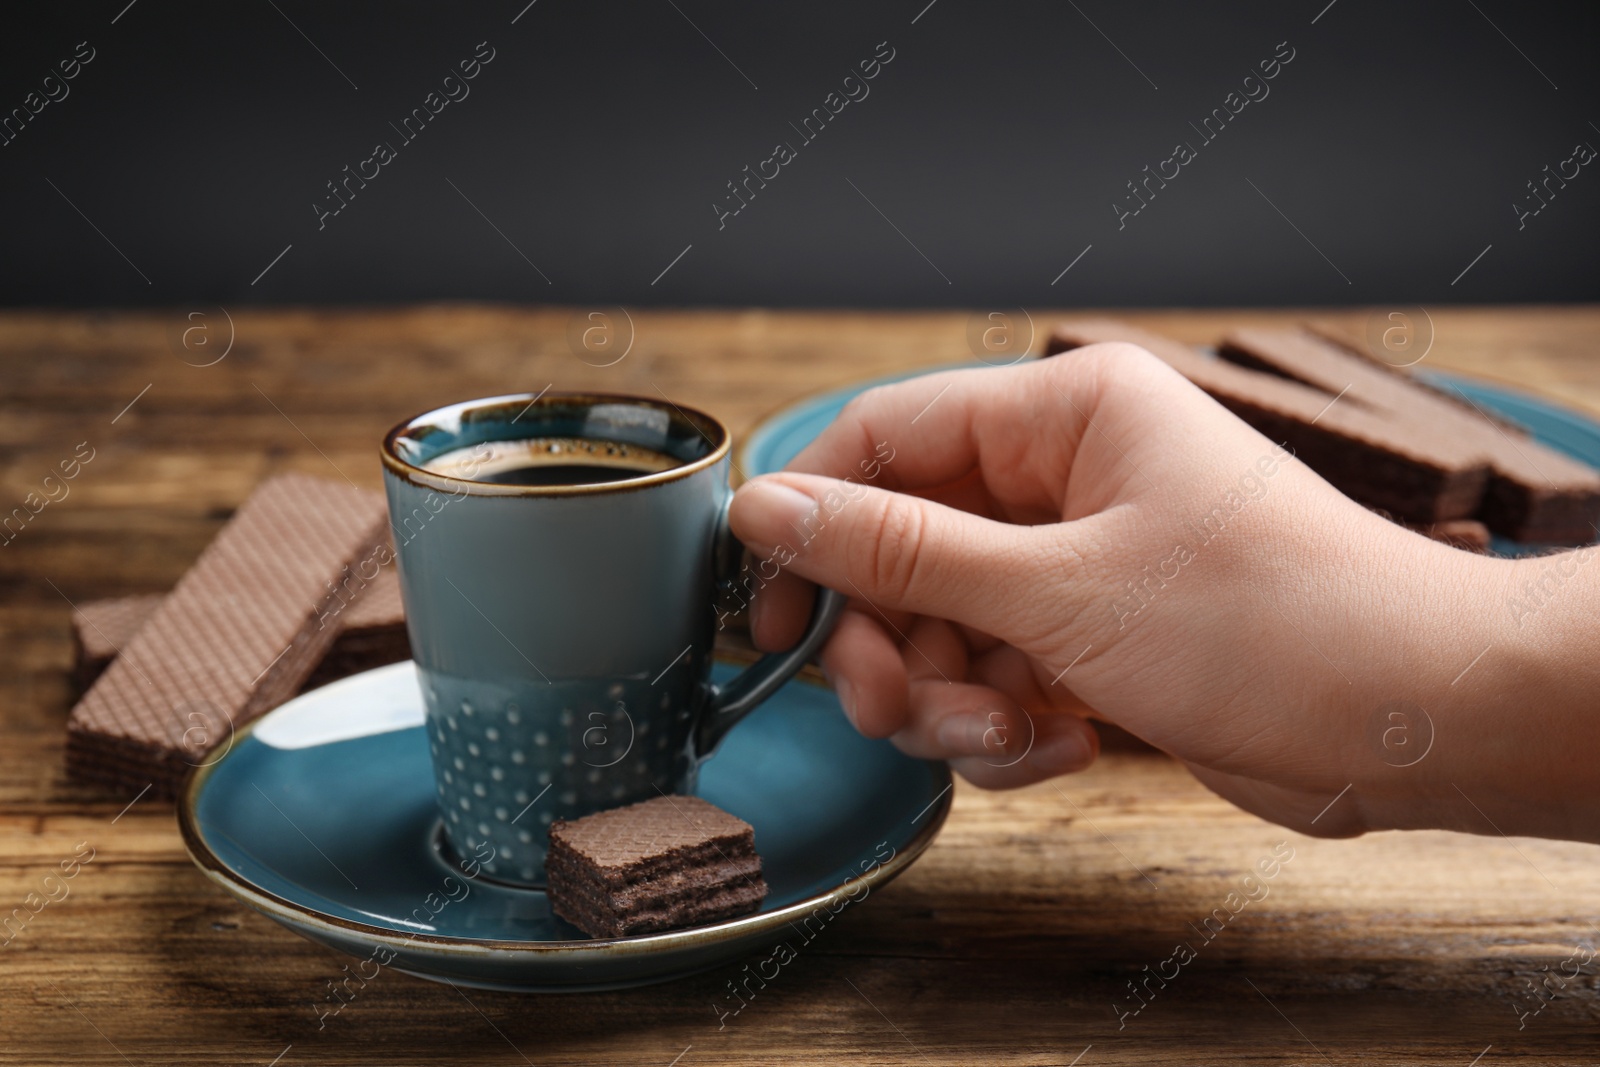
<point x="537" y="461"/>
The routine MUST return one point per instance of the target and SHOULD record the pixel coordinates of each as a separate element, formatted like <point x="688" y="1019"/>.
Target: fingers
<point x="912" y="434"/>
<point x="779" y="612"/>
<point x="934" y="429"/>
<point x="1065" y="745"/>
<point x="868" y="674"/>
<point x="1018" y="432"/>
<point x="902" y="553"/>
<point x="871" y="669"/>
<point x="1011" y="672"/>
<point x="995" y="443"/>
<point x="933" y="649"/>
<point x="989" y="739"/>
<point x="951" y="720"/>
<point x="905" y="693"/>
<point x="781" y="607"/>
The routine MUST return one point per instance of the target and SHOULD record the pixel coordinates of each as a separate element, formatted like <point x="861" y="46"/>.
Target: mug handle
<point x="727" y="704"/>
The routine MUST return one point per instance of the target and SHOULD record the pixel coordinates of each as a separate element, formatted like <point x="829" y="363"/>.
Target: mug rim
<point x="395" y="464"/>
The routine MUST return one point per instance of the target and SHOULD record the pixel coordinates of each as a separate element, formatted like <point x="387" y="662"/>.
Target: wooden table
<point x="1009" y="943"/>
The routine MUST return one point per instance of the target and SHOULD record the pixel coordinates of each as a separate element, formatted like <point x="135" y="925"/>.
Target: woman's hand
<point x="1092" y="536"/>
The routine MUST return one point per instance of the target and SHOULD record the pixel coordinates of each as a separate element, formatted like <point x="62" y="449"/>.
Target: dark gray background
<point x="1393" y="148"/>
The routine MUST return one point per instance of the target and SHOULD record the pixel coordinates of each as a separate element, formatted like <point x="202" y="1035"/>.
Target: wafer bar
<point x="1534" y="493"/>
<point x="237" y="636"/>
<point x="372" y="633"/>
<point x="669" y="862"/>
<point x="99" y="630"/>
<point x="1348" y="342"/>
<point x="1559" y="509"/>
<point x="1368" y="453"/>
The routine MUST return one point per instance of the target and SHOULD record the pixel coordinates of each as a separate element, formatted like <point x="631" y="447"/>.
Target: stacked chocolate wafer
<point x="1426" y="458"/>
<point x="661" y="864"/>
<point x="292" y="575"/>
<point x="1532" y="493"/>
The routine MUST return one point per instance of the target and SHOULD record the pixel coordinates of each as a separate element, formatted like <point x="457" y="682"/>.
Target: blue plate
<point x="782" y="436"/>
<point x="321" y="816"/>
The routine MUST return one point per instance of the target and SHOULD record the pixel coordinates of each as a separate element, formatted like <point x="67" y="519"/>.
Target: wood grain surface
<point x="1012" y="942"/>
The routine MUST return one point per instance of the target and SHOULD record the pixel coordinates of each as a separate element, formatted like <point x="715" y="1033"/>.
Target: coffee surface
<point x="555" y="461"/>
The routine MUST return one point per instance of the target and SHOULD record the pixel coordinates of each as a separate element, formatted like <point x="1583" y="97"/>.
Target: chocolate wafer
<point x="661" y="864"/>
<point x="372" y="633"/>
<point x="1534" y="493"/>
<point x="1368" y="453"/>
<point x="99" y="630"/>
<point x="240" y="633"/>
<point x="1343" y="339"/>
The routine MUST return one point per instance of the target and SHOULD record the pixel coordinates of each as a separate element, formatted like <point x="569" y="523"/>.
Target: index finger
<point x="919" y="416"/>
<point x="1010" y="424"/>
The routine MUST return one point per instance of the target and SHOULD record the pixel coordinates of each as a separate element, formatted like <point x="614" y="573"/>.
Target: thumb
<point x="900" y="552"/>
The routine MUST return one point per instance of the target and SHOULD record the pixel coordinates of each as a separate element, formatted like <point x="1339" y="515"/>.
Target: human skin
<point x="1055" y="542"/>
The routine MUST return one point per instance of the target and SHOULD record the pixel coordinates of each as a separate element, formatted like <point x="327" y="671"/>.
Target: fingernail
<point x="969" y="735"/>
<point x="770" y="514"/>
<point x="1069" y="752"/>
<point x="847" y="699"/>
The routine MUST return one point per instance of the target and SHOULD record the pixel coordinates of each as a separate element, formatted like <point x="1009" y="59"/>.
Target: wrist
<point x="1492" y="730"/>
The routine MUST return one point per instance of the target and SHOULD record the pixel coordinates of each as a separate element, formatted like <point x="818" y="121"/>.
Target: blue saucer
<point x="321" y="815"/>
<point x="783" y="435"/>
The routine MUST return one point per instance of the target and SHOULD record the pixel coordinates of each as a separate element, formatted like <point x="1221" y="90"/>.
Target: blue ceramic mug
<point x="559" y="560"/>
